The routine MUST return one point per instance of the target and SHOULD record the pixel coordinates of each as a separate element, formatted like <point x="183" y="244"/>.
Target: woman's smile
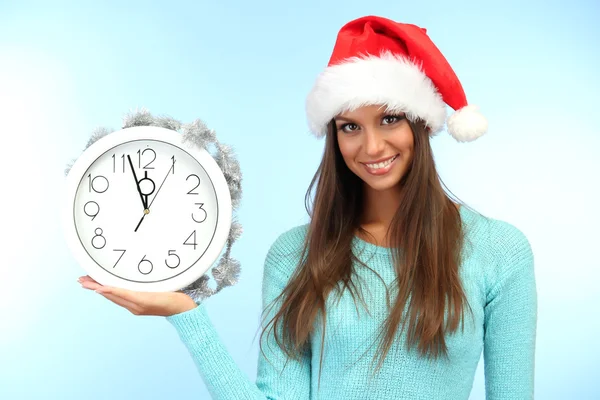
<point x="380" y="167"/>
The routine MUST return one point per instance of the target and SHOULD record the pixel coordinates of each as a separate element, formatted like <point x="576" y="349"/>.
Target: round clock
<point x="146" y="211"/>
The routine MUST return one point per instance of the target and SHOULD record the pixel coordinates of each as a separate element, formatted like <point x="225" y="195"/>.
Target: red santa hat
<point x="377" y="61"/>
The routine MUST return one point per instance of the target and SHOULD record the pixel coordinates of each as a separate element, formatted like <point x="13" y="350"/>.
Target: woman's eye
<point x="390" y="119"/>
<point x="349" y="127"/>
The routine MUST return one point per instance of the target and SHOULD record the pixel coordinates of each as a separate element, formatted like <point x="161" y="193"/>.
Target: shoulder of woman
<point x="505" y="240"/>
<point x="285" y="252"/>
<point x="507" y="249"/>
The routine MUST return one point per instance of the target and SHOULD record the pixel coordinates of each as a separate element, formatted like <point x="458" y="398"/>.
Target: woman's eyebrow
<point x="391" y="112"/>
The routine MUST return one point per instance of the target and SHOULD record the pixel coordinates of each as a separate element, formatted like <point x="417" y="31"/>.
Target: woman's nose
<point x="374" y="143"/>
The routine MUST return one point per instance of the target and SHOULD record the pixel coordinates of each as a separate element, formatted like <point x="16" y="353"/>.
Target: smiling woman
<point x="392" y="290"/>
<point x="375" y="145"/>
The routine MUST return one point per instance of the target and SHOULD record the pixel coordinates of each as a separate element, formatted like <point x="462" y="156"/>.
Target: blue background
<point x="245" y="69"/>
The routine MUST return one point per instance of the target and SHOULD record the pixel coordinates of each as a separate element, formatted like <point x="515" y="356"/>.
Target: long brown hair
<point x="427" y="227"/>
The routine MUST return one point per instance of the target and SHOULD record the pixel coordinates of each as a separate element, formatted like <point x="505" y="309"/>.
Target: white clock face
<point x="146" y="211"/>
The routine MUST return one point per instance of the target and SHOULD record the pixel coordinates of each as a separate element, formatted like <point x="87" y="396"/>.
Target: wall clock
<point x="146" y="210"/>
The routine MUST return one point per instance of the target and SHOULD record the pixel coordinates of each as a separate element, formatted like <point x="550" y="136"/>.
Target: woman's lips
<point x="381" y="167"/>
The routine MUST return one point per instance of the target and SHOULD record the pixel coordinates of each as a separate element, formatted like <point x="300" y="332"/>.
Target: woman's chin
<point x="382" y="184"/>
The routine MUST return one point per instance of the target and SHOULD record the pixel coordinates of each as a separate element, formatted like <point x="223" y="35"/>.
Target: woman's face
<point x="376" y="146"/>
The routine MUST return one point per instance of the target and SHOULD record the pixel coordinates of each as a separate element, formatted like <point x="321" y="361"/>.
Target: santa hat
<point x="377" y="61"/>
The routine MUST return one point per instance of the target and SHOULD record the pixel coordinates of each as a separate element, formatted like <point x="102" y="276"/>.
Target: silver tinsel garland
<point x="227" y="271"/>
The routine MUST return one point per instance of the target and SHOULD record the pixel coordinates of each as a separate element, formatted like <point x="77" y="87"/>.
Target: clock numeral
<point x="197" y="177"/>
<point x="190" y="244"/>
<point x="203" y="214"/>
<point x="98" y="184"/>
<point x="98" y="239"/>
<point x="92" y="213"/>
<point x="140" y="154"/>
<point x="121" y="256"/>
<point x="115" y="163"/>
<point x="172" y="253"/>
<point x="147" y="268"/>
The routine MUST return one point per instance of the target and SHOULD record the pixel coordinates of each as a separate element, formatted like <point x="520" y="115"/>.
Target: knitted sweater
<point x="498" y="278"/>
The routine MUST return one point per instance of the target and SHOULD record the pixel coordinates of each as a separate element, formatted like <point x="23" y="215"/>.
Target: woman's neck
<point x="379" y="208"/>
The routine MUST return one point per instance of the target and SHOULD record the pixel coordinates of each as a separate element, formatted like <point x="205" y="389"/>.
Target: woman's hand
<point x="162" y="304"/>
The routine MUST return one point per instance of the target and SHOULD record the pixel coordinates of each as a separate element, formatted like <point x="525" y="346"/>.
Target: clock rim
<point x="202" y="156"/>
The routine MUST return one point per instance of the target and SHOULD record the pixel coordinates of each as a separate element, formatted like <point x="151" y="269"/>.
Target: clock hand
<point x="166" y="176"/>
<point x="147" y="209"/>
<point x="137" y="184"/>
<point x="139" y="223"/>
<point x="146" y="195"/>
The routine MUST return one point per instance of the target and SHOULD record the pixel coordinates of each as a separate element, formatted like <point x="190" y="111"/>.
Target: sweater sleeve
<point x="277" y="376"/>
<point x="510" y="319"/>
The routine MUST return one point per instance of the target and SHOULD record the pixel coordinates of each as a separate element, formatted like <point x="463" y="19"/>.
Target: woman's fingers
<point x="128" y="295"/>
<point x="142" y="303"/>
<point x="86" y="278"/>
<point x="134" y="297"/>
<point x="139" y="303"/>
<point x="90" y="285"/>
<point x="132" y="307"/>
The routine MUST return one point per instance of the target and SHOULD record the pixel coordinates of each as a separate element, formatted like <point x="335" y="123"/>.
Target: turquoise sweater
<point x="498" y="277"/>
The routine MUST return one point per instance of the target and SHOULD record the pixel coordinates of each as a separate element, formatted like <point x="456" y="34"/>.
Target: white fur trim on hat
<point x="389" y="80"/>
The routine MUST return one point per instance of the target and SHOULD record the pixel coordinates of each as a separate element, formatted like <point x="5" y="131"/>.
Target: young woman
<point x="393" y="290"/>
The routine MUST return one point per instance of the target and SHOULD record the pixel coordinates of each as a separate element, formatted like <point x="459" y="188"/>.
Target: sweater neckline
<point x="372" y="248"/>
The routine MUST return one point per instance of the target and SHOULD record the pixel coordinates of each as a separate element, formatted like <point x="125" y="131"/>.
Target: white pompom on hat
<point x="377" y="61"/>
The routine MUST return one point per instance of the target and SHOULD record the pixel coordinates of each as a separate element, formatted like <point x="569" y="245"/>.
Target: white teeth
<point x="381" y="164"/>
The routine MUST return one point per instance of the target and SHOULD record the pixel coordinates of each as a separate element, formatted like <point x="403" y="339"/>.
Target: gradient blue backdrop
<point x="245" y="68"/>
